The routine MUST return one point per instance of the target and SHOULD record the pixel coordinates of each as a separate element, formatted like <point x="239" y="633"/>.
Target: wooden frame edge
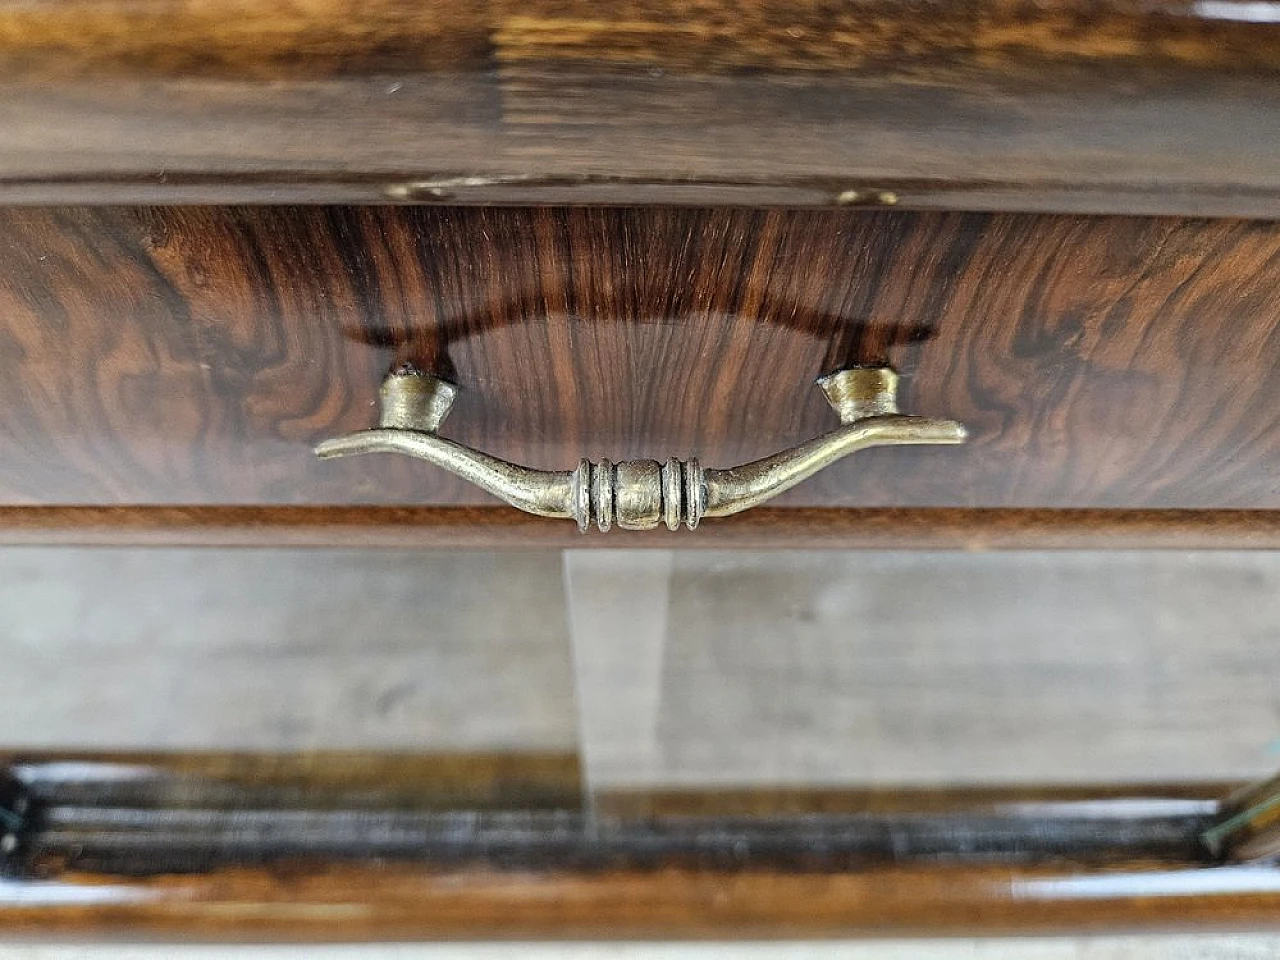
<point x="889" y="528"/>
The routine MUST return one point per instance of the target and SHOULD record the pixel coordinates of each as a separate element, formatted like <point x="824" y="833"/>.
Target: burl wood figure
<point x="624" y="240"/>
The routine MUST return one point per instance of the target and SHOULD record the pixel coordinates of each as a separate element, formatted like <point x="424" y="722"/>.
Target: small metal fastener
<point x="411" y="400"/>
<point x="866" y="198"/>
<point x="417" y="191"/>
<point x="641" y="494"/>
<point x="861" y="392"/>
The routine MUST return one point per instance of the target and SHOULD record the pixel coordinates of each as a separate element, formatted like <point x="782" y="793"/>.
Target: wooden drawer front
<point x="189" y="355"/>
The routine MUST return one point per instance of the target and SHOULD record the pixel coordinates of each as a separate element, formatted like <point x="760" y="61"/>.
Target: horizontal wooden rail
<point x="1108" y="106"/>
<point x="485" y="527"/>
<point x="252" y="848"/>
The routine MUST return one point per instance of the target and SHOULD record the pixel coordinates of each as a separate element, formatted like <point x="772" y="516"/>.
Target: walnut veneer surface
<point x="194" y="355"/>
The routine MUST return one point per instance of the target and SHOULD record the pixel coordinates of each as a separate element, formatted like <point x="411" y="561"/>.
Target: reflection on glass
<point x="851" y="669"/>
<point x="667" y="669"/>
<point x="278" y="650"/>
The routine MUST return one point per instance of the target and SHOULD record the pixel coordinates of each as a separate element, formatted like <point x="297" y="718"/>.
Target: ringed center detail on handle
<point x="639" y="494"/>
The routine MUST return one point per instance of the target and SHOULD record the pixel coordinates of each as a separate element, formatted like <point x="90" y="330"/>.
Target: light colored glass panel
<point x="815" y="669"/>
<point x="618" y="614"/>
<point x="284" y="650"/>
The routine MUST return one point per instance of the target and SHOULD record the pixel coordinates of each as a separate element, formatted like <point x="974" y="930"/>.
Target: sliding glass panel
<point x="280" y="650"/>
<point x="704" y="670"/>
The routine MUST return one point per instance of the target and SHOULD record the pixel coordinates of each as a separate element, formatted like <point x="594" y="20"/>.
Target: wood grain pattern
<point x="386" y="903"/>
<point x="1109" y="106"/>
<point x="193" y="356"/>
<point x="766" y="527"/>
<point x="320" y="779"/>
<point x="232" y="37"/>
<point x="137" y="846"/>
<point x="773" y="801"/>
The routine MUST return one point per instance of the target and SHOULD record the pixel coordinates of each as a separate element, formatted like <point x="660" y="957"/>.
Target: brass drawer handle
<point x="640" y="494"/>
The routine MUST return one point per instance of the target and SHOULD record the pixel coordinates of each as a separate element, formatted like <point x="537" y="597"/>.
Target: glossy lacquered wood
<point x="193" y="356"/>
<point x="766" y="527"/>
<point x="163" y="847"/>
<point x="393" y="902"/>
<point x="1108" y="106"/>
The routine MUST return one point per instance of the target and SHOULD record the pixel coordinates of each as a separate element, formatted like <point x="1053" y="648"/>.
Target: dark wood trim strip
<point x="1106" y="106"/>
<point x="191" y="847"/>
<point x="406" y="903"/>
<point x="326" y="779"/>
<point x="115" y="38"/>
<point x="485" y="527"/>
<point x="771" y="801"/>
<point x="1255" y="202"/>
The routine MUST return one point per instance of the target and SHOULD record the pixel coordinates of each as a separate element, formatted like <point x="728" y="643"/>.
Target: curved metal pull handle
<point x="640" y="494"/>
